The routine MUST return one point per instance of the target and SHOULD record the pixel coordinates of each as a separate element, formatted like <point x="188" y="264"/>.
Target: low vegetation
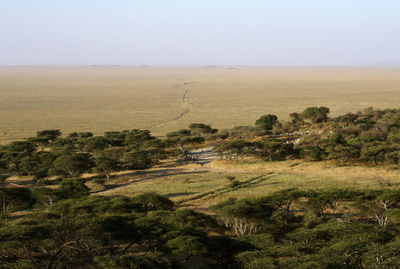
<point x="335" y="228"/>
<point x="52" y="217"/>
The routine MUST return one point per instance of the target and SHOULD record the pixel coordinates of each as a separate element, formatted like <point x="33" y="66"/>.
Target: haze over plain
<point x="97" y="55"/>
<point x="177" y="32"/>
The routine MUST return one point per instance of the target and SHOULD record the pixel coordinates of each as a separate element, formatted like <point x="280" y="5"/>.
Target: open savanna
<point x="200" y="187"/>
<point x="163" y="99"/>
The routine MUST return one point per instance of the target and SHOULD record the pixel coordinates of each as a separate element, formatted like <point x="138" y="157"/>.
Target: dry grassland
<point x="164" y="99"/>
<point x="202" y="186"/>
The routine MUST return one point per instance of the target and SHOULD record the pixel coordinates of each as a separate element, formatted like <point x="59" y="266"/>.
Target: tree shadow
<point x="148" y="175"/>
<point x="177" y="194"/>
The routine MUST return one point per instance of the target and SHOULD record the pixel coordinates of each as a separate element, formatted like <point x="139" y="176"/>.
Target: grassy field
<point x="164" y="99"/>
<point x="202" y="186"/>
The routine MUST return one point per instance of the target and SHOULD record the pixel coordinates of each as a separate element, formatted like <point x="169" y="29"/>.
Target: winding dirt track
<point x="187" y="107"/>
<point x="203" y="157"/>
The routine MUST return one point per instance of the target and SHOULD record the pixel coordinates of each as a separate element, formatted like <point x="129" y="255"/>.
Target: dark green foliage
<point x="41" y="173"/>
<point x="395" y="120"/>
<point x="39" y="142"/>
<point x="146" y="231"/>
<point x="336" y="228"/>
<point x="315" y="114"/>
<point x="187" y="245"/>
<point x="369" y="137"/>
<point x="29" y="164"/>
<point x="267" y="121"/>
<point x="97" y="231"/>
<point x="105" y="165"/>
<point x="234" y="183"/>
<point x="151" y="201"/>
<point x="141" y="139"/>
<point x="49" y="134"/>
<point x="317" y="154"/>
<point x="138" y="159"/>
<point x="274" y="150"/>
<point x="183" y="132"/>
<point x="198" y="129"/>
<point x="73" y="188"/>
<point x="244" y="132"/>
<point x="19" y="198"/>
<point x="95" y="145"/>
<point x="235" y="149"/>
<point x="76" y="135"/>
<point x="244" y="216"/>
<point x="116" y="138"/>
<point x="187" y="219"/>
<point x="14" y="199"/>
<point x="126" y="261"/>
<point x="72" y="165"/>
<point x="46" y="196"/>
<point x="19" y="147"/>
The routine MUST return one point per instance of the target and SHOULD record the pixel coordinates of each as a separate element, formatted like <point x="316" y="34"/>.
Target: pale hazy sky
<point x="199" y="32"/>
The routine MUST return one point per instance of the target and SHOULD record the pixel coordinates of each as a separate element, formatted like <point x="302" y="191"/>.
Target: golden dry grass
<point x="108" y="98"/>
<point x="202" y="186"/>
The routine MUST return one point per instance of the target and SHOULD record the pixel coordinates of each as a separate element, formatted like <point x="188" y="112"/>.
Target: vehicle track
<point x="187" y="107"/>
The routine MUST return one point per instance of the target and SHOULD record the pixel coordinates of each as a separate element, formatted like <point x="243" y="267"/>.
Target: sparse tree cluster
<point x="63" y="226"/>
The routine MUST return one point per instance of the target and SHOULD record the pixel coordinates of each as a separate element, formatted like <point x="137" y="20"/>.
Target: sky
<point x="194" y="32"/>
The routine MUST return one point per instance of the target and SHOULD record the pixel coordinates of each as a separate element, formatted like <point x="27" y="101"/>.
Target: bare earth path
<point x="203" y="157"/>
<point x="204" y="181"/>
<point x="185" y="104"/>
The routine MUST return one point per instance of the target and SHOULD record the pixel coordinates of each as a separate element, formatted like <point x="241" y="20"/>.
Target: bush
<point x="267" y="121"/>
<point x="138" y="159"/>
<point x="73" y="188"/>
<point x="315" y="114"/>
<point x="234" y="183"/>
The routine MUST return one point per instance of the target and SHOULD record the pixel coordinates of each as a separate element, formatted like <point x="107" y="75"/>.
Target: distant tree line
<point x="370" y="137"/>
<point x="49" y="154"/>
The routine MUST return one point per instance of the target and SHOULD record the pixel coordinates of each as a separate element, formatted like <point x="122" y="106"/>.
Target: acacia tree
<point x="245" y="216"/>
<point x="49" y="134"/>
<point x="198" y="129"/>
<point x="39" y="142"/>
<point x="12" y="199"/>
<point x="29" y="164"/>
<point x="379" y="208"/>
<point x="315" y="114"/>
<point x="137" y="159"/>
<point x="46" y="196"/>
<point x="187" y="246"/>
<point x="182" y="140"/>
<point x="73" y="188"/>
<point x="72" y="165"/>
<point x="96" y="144"/>
<point x="267" y="121"/>
<point x="105" y="165"/>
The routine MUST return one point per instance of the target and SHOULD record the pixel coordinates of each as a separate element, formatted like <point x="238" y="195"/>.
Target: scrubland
<point x="316" y="191"/>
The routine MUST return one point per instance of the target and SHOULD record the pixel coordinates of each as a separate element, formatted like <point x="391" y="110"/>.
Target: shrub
<point x="234" y="183"/>
<point x="267" y="121"/>
<point x="73" y="188"/>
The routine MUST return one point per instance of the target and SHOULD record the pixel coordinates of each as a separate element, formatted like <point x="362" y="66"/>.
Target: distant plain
<point x="163" y="99"/>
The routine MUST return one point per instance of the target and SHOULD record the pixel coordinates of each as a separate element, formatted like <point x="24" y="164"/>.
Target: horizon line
<point x="202" y="65"/>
